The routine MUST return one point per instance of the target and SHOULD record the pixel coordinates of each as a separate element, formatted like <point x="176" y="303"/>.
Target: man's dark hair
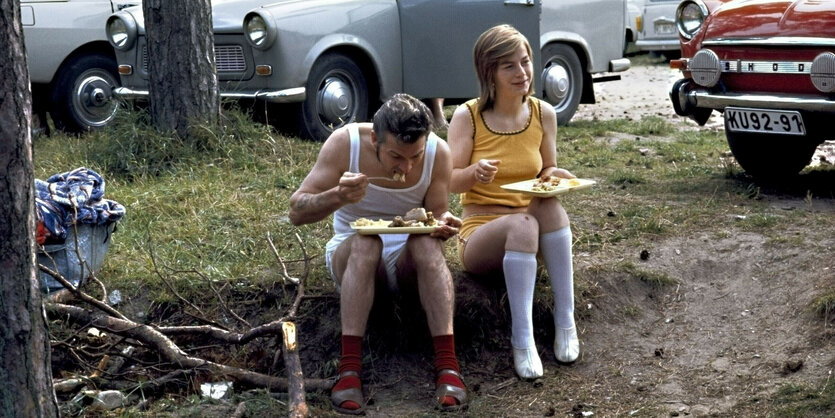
<point x="405" y="117"/>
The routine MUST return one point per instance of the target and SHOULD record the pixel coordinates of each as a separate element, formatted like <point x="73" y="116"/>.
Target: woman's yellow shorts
<point x="468" y="226"/>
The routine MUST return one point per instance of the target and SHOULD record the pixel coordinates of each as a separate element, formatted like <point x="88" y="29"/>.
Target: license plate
<point x="783" y="122"/>
<point x="664" y="28"/>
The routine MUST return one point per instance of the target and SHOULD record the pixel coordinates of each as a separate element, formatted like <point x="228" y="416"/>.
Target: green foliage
<point x="200" y="209"/>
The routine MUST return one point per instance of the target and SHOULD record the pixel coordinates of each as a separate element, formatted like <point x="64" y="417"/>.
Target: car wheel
<point x="82" y="98"/>
<point x="562" y="80"/>
<point x="336" y="95"/>
<point x="771" y="157"/>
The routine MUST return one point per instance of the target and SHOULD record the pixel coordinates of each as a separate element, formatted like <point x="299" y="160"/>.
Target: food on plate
<point x="550" y="183"/>
<point x="414" y="217"/>
<point x="369" y="222"/>
<point x="545" y="184"/>
<point x="417" y="214"/>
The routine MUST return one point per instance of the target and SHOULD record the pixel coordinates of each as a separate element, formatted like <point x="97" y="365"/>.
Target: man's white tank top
<point x="381" y="202"/>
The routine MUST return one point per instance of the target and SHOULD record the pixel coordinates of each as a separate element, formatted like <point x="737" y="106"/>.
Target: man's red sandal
<point x="443" y="390"/>
<point x="338" y="397"/>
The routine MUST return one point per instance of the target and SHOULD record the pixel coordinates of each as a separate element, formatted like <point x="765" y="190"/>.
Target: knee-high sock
<point x="520" y="278"/>
<point x="556" y="250"/>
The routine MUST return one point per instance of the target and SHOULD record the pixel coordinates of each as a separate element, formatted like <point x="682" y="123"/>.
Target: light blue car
<point x="335" y="61"/>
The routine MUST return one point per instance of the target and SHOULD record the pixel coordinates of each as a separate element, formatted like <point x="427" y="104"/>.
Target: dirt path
<point x="732" y="331"/>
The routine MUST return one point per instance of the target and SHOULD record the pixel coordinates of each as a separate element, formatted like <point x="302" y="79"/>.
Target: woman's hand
<point x="485" y="170"/>
<point x="557" y="172"/>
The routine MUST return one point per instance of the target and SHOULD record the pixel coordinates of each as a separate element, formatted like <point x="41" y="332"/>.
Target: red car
<point x="769" y="67"/>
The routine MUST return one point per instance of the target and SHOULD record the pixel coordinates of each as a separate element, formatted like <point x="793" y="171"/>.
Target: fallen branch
<point x="81" y="295"/>
<point x="295" y="375"/>
<point x="172" y="353"/>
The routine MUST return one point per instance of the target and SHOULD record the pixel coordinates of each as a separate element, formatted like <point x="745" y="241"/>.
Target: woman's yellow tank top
<point x="518" y="152"/>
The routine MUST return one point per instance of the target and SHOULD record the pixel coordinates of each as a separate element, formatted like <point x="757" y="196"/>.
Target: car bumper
<point x="292" y="95"/>
<point x="658" y="45"/>
<point x="687" y="97"/>
<point x="619" y="64"/>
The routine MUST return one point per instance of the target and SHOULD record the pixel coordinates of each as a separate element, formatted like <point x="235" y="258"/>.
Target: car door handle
<point x="520" y="2"/>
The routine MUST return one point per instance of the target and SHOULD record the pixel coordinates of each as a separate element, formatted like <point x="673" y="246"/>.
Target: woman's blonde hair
<point x="492" y="46"/>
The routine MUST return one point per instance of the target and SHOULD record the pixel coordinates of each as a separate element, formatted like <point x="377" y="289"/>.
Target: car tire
<point x="562" y="80"/>
<point x="771" y="157"/>
<point x="82" y="96"/>
<point x="337" y="95"/>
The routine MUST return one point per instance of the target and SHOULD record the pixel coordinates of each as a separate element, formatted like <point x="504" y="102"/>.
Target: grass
<point x="201" y="212"/>
<point x="207" y="207"/>
<point x="803" y="400"/>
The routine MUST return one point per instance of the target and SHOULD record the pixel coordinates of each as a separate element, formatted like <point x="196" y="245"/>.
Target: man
<point x="379" y="171"/>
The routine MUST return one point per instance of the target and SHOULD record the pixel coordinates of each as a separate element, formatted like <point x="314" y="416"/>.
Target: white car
<point x="71" y="64"/>
<point x="656" y="26"/>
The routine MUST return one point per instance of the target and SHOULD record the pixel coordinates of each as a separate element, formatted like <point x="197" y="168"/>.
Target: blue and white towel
<point x="74" y="197"/>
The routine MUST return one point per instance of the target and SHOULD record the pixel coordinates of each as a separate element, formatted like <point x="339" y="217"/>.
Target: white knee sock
<point x="556" y="250"/>
<point x="520" y="278"/>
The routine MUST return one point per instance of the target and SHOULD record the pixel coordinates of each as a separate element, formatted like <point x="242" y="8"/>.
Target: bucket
<point x="75" y="266"/>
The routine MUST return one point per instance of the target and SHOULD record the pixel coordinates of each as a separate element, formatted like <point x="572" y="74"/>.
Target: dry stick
<point x="300" y="292"/>
<point x="239" y="411"/>
<point x="225" y="306"/>
<point x="173" y="353"/>
<point x="217" y="294"/>
<point x="101" y="285"/>
<point x="268" y="329"/>
<point x="169" y="350"/>
<point x="81" y="295"/>
<point x="295" y="375"/>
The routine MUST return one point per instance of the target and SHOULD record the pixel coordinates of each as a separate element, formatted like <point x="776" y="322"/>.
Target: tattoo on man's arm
<point x="308" y="201"/>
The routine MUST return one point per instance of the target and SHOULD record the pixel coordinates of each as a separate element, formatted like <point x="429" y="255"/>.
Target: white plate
<point x="565" y="186"/>
<point x="381" y="227"/>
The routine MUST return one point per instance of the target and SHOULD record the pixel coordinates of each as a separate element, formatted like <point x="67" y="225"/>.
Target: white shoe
<point x="527" y="362"/>
<point x="566" y="345"/>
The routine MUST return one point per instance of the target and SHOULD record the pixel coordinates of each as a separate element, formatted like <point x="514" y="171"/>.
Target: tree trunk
<point x="183" y="85"/>
<point x="25" y="371"/>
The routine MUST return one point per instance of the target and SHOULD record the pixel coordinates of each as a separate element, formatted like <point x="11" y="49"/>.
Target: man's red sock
<point x="351" y="360"/>
<point x="445" y="359"/>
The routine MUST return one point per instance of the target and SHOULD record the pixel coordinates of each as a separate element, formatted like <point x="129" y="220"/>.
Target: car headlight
<point x="690" y="15"/>
<point x="121" y="31"/>
<point x="258" y="29"/>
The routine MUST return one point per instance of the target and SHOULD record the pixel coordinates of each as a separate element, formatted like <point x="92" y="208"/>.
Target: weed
<point x="760" y="221"/>
<point x="631" y="311"/>
<point x="824" y="306"/>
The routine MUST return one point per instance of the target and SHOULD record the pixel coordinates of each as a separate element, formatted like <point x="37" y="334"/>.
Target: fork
<point x="382" y="178"/>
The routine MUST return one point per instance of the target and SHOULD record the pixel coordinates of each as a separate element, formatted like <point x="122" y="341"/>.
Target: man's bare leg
<point x="437" y="296"/>
<point x="355" y="264"/>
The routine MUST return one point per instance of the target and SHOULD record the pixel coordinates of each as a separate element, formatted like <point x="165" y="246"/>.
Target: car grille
<point x="228" y="59"/>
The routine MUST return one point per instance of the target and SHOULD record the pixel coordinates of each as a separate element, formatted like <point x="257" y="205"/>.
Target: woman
<point x="504" y="136"/>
